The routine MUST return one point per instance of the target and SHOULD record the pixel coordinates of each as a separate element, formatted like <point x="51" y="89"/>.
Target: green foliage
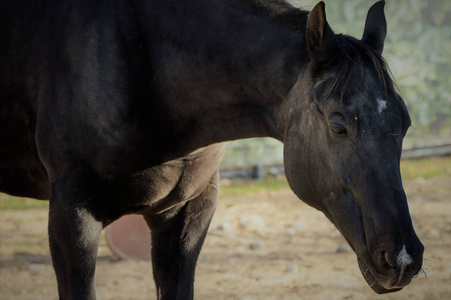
<point x="249" y="187"/>
<point x="251" y="152"/>
<point x="10" y="202"/>
<point x="426" y="168"/>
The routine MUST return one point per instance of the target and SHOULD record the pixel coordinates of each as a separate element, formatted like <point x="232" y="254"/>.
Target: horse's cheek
<point x="299" y="173"/>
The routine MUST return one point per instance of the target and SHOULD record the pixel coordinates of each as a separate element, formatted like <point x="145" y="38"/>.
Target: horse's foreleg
<point x="74" y="236"/>
<point x="177" y="237"/>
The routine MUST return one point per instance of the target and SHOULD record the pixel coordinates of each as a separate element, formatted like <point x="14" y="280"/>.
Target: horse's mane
<point x="354" y="53"/>
<point x="283" y="12"/>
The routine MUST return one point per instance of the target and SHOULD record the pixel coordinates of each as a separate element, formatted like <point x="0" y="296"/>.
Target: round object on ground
<point x="129" y="237"/>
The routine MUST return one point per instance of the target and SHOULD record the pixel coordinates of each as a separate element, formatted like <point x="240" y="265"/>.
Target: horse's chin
<point x="372" y="281"/>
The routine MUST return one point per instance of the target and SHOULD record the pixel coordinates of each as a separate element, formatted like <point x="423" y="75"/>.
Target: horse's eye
<point x="339" y="130"/>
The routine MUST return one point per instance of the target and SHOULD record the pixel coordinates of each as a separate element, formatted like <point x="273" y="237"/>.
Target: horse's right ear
<point x="321" y="41"/>
<point x="375" y="27"/>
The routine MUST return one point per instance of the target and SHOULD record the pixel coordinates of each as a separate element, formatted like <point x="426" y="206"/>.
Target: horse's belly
<point x="24" y="183"/>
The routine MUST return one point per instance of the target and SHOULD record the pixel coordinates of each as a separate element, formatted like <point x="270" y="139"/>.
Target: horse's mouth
<point x="372" y="281"/>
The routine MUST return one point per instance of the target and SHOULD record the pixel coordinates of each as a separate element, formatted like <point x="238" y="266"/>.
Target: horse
<point x="116" y="107"/>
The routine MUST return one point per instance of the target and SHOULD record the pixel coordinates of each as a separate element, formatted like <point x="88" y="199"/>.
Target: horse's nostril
<point x="387" y="258"/>
<point x="403" y="257"/>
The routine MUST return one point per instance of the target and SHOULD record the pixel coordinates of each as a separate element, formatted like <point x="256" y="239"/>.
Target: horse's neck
<point x="225" y="75"/>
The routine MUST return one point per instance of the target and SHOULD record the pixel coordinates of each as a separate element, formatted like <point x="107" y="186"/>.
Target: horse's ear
<point x="321" y="41"/>
<point x="375" y="27"/>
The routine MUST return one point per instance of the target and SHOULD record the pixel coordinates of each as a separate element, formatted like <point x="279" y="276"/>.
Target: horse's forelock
<point x="355" y="54"/>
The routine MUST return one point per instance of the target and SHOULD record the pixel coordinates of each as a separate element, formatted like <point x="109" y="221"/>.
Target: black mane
<point x="352" y="53"/>
<point x="355" y="53"/>
<point x="283" y="12"/>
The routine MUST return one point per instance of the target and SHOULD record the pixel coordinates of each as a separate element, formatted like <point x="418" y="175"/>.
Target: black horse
<point x="116" y="107"/>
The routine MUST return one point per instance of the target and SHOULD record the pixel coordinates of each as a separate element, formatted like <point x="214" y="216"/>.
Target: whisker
<point x="422" y="271"/>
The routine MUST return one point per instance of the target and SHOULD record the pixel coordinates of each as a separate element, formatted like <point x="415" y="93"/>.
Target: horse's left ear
<point x="321" y="41"/>
<point x="375" y="27"/>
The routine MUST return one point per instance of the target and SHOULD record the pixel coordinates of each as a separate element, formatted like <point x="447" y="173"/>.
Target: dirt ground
<point x="297" y="254"/>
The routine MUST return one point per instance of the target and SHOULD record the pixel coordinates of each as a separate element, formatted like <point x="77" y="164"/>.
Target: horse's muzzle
<point x="387" y="273"/>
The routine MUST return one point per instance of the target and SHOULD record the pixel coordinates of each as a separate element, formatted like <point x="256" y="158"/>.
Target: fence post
<point x="257" y="172"/>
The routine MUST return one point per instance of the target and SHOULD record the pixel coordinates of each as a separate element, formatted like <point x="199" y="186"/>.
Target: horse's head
<point x="344" y="127"/>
